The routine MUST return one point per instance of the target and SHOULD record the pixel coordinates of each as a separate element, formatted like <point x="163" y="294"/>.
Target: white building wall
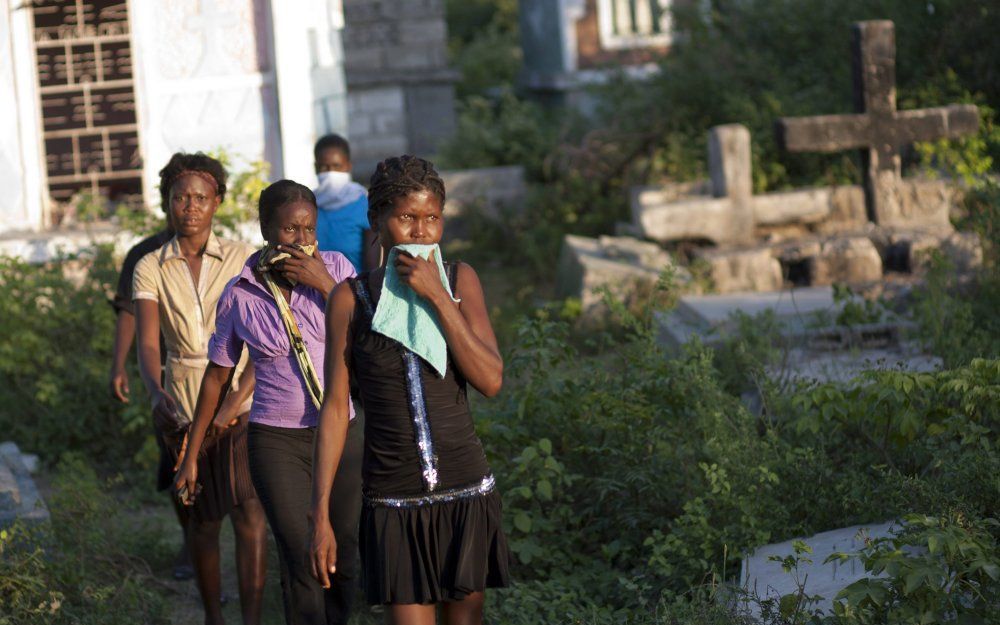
<point x="22" y="202"/>
<point x="205" y="80"/>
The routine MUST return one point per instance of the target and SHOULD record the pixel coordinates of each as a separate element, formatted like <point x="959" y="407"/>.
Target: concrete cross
<point x="877" y="128"/>
<point x="212" y="22"/>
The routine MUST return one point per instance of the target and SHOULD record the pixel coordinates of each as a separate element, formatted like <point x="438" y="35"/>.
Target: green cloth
<point x="403" y="315"/>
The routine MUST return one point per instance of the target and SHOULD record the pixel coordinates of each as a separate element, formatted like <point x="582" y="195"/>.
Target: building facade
<point x="97" y="94"/>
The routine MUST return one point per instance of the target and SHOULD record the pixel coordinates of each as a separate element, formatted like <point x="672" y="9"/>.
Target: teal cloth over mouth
<point x="403" y="315"/>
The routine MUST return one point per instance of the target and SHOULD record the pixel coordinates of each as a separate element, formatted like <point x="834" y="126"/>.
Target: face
<point x="415" y="218"/>
<point x="292" y="224"/>
<point x="332" y="159"/>
<point x="193" y="202"/>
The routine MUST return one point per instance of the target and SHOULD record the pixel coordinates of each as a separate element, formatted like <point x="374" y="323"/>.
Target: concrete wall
<point x="400" y="88"/>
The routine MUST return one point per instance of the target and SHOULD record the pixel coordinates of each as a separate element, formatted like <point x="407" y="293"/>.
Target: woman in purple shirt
<point x="284" y="413"/>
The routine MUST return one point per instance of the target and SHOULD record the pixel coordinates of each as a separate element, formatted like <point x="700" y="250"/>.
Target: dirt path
<point x="185" y="602"/>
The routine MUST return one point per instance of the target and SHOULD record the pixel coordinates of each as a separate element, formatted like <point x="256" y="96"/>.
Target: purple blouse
<point x="247" y="315"/>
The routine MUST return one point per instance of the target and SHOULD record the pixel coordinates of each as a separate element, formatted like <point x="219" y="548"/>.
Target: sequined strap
<point x="361" y="292"/>
<point x="483" y="487"/>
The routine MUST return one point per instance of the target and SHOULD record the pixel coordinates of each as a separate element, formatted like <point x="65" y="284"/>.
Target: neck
<point x="193" y="245"/>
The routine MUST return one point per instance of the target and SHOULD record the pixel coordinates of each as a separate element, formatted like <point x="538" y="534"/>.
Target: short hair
<point x="182" y="162"/>
<point x="332" y="142"/>
<point x="400" y="176"/>
<point x="279" y="194"/>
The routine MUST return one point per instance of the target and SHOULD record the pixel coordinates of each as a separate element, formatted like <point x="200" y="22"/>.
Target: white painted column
<point x="24" y="206"/>
<point x="308" y="60"/>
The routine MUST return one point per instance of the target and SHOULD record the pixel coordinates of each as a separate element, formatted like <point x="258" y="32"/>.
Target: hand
<point x="304" y="269"/>
<point x="226" y="418"/>
<point x="323" y="550"/>
<point x="166" y="417"/>
<point x="186" y="487"/>
<point x="119" y="385"/>
<point x="420" y="275"/>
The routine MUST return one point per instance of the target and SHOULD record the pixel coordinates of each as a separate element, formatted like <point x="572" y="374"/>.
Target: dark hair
<point x="279" y="194"/>
<point x="181" y="162"/>
<point x="332" y="142"/>
<point x="400" y="176"/>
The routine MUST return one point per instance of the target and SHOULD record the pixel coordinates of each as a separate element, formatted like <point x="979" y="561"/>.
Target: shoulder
<point x="465" y="272"/>
<point x="145" y="246"/>
<point x="337" y="264"/>
<point x="147" y="263"/>
<point x="341" y="302"/>
<point x="229" y="297"/>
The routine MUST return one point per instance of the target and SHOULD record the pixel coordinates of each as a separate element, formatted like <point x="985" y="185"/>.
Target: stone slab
<point x="842" y="367"/>
<point x="765" y="579"/>
<point x="735" y="270"/>
<point x="19" y="497"/>
<point x="711" y="317"/>
<point x="619" y="263"/>
<point x="492" y="189"/>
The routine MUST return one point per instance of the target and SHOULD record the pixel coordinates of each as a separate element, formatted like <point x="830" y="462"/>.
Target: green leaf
<point x="522" y="522"/>
<point x="545" y="445"/>
<point x="544" y="489"/>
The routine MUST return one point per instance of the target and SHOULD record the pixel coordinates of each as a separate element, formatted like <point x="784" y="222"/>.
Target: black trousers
<point x="281" y="468"/>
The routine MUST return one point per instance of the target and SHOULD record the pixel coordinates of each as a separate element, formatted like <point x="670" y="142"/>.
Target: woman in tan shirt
<point x="176" y="289"/>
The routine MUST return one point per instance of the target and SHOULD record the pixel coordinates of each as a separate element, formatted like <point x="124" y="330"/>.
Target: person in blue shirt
<point x="342" y="223"/>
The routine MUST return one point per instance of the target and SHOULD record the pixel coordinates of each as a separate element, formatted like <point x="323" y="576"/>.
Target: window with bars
<point x="86" y="90"/>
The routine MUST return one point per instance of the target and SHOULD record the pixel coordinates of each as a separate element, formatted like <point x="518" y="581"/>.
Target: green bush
<point x="83" y="567"/>
<point x="631" y="480"/>
<point x="58" y="330"/>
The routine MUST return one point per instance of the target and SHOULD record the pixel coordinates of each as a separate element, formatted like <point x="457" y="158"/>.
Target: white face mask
<point x="333" y="180"/>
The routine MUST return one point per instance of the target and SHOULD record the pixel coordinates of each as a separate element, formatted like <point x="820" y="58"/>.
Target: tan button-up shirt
<point x="187" y="310"/>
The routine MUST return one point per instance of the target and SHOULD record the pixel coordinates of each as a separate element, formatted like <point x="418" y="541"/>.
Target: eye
<point x="311" y="229"/>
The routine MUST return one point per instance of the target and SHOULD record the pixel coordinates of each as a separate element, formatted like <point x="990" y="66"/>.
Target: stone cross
<point x="212" y="21"/>
<point x="877" y="127"/>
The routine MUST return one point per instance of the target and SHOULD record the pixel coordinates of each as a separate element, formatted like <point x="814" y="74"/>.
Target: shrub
<point x="58" y="331"/>
<point x="83" y="568"/>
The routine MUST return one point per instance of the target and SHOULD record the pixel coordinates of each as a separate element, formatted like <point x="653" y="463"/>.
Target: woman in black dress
<point x="430" y="528"/>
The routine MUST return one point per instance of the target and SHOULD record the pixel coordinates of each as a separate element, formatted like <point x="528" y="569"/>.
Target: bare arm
<point x="165" y="415"/>
<point x="466" y="325"/>
<point x="334" y="417"/>
<point x="213" y="386"/>
<point x="124" y="334"/>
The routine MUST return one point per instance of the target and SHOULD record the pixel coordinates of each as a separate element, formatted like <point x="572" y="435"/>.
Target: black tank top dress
<point x="430" y="528"/>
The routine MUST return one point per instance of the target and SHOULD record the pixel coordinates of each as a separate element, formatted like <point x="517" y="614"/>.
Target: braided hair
<point x="398" y="177"/>
<point x="180" y="163"/>
<point x="279" y="194"/>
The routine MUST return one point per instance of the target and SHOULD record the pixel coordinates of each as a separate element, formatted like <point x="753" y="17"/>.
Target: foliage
<point x="641" y="479"/>
<point x="82" y="568"/>
<point x="747" y="62"/>
<point x="58" y="330"/>
<point x="483" y="44"/>
<point x="936" y="570"/>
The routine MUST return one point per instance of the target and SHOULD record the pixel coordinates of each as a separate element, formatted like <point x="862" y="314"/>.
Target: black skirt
<point x="433" y="552"/>
<point x="223" y="472"/>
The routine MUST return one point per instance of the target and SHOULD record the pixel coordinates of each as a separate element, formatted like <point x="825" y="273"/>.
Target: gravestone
<point x="19" y="498"/>
<point x="763" y="578"/>
<point x="493" y="190"/>
<point x="851" y="234"/>
<point x="711" y="317"/>
<point x="879" y="129"/>
<point x="622" y="264"/>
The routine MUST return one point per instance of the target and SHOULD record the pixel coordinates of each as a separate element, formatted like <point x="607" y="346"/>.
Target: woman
<point x="430" y="523"/>
<point x="176" y="289"/>
<point x="288" y="389"/>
